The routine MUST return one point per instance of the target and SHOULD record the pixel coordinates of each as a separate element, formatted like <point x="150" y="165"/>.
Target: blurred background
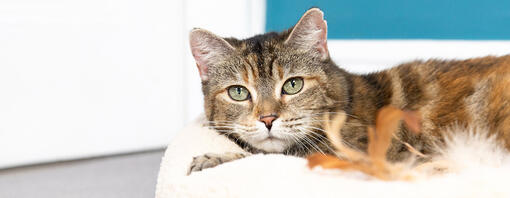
<point x="82" y="79"/>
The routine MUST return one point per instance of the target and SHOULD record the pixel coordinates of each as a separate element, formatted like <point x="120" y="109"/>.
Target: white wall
<point x="87" y="78"/>
<point x="362" y="56"/>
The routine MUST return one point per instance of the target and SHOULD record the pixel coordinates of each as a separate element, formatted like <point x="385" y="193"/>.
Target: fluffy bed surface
<point x="484" y="174"/>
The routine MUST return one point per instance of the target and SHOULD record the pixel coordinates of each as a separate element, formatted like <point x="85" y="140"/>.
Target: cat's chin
<point x="271" y="144"/>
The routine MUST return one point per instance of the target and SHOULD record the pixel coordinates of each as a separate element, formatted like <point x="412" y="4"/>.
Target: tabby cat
<point x="269" y="94"/>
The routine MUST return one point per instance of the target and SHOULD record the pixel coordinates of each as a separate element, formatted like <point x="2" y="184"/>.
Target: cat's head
<point x="272" y="90"/>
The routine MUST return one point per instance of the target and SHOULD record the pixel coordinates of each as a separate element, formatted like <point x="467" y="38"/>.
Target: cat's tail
<point x="467" y="149"/>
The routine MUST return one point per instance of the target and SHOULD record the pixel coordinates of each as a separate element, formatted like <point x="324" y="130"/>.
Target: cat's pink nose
<point x="268" y="120"/>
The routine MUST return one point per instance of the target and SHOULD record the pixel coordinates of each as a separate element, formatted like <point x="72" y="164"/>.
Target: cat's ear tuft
<point x="207" y="49"/>
<point x="310" y="33"/>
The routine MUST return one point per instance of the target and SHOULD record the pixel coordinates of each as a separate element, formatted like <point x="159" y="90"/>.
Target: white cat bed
<point x="485" y="172"/>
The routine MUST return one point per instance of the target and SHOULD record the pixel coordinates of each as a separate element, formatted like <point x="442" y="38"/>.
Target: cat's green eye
<point x="238" y="93"/>
<point x="292" y="86"/>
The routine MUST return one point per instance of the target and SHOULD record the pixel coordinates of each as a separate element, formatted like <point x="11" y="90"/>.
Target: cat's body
<point x="455" y="93"/>
<point x="269" y="93"/>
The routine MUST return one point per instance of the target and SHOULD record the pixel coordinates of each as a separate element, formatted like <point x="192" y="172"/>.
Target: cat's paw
<point x="210" y="160"/>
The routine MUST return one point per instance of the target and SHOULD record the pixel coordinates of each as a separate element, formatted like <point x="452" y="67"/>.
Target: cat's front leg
<point x="210" y="160"/>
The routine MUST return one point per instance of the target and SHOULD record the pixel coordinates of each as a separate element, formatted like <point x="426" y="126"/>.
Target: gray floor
<point x="125" y="176"/>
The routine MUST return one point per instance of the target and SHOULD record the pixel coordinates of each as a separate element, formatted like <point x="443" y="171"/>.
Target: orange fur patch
<point x="373" y="163"/>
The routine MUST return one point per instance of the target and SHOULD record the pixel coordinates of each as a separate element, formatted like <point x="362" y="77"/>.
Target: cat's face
<point x="270" y="91"/>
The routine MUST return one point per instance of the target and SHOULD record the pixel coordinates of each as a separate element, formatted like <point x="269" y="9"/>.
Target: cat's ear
<point x="207" y="49"/>
<point x="310" y="33"/>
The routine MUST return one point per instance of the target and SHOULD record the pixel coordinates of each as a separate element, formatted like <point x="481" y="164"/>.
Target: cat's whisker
<point x="310" y="142"/>
<point x="233" y="127"/>
<point x="346" y="124"/>
<point x="317" y="137"/>
<point x="297" y="140"/>
<point x="293" y="119"/>
<point x="237" y="125"/>
<point x="329" y="113"/>
<point x="302" y="148"/>
<point x="345" y="142"/>
<point x="301" y="138"/>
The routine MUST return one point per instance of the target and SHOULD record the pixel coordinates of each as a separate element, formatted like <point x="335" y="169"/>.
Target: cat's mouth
<point x="273" y="140"/>
<point x="272" y="137"/>
<point x="271" y="144"/>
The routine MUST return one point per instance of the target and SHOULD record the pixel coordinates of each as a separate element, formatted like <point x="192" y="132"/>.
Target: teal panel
<point x="400" y="19"/>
